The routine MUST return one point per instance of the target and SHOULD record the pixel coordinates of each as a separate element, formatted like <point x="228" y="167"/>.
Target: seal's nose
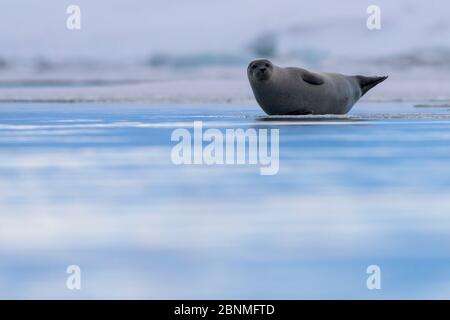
<point x="262" y="69"/>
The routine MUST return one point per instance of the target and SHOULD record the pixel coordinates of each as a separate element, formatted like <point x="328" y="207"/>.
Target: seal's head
<point x="260" y="70"/>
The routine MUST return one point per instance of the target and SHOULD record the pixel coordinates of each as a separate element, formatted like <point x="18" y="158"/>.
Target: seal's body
<point x="296" y="91"/>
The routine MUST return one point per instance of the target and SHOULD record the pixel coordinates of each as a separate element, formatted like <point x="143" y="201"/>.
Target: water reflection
<point x="94" y="185"/>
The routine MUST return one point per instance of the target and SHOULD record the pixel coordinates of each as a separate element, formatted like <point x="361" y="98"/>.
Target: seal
<point x="296" y="91"/>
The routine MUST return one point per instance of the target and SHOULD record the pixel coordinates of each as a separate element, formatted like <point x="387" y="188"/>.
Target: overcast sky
<point x="118" y="29"/>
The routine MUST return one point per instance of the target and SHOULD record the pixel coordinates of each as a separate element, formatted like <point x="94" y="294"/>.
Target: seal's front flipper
<point x="312" y="78"/>
<point x="367" y="83"/>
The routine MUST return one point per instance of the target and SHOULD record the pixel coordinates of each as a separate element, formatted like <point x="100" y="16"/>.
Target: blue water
<point x="94" y="185"/>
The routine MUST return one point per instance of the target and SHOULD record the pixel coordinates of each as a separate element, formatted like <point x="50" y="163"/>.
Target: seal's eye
<point x="267" y="65"/>
<point x="254" y="67"/>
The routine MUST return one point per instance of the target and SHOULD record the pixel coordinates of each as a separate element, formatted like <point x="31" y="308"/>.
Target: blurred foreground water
<point x="94" y="185"/>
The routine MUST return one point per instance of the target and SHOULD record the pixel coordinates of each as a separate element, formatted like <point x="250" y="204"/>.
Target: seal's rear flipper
<point x="367" y="83"/>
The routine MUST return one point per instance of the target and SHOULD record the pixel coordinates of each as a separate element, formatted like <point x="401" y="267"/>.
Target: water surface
<point x="94" y="185"/>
